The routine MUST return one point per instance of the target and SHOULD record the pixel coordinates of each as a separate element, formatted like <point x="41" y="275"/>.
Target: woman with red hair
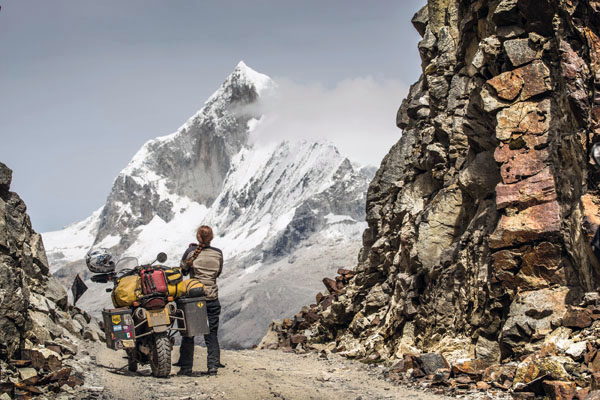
<point x="203" y="262"/>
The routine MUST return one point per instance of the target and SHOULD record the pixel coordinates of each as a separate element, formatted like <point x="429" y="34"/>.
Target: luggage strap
<point x="149" y="280"/>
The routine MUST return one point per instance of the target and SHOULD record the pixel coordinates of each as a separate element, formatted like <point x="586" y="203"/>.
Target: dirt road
<point x="250" y="374"/>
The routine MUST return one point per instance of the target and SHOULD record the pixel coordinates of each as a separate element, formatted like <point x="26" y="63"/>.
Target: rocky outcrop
<point x="39" y="330"/>
<point x="480" y="216"/>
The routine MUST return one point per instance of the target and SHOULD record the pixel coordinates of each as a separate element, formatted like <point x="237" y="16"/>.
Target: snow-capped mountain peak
<point x="260" y="81"/>
<point x="265" y="203"/>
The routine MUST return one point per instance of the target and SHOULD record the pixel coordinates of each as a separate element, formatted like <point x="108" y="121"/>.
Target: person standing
<point x="205" y="263"/>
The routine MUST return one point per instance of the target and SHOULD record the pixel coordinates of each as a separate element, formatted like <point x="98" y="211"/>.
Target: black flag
<point x="78" y="288"/>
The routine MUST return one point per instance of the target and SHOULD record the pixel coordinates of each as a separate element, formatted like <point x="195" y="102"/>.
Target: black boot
<point x="212" y="371"/>
<point x="219" y="365"/>
<point x="185" y="372"/>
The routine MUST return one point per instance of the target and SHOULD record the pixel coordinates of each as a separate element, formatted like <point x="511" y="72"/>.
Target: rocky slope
<point x="480" y="216"/>
<point x="275" y="208"/>
<point x="39" y="331"/>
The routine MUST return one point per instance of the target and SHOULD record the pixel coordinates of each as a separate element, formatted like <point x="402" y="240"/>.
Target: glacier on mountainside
<point x="285" y="214"/>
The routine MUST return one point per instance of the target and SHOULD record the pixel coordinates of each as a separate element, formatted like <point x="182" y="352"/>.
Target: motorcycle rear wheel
<point x="160" y="361"/>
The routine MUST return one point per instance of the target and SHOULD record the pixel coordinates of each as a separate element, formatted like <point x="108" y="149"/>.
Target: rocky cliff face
<point x="480" y="216"/>
<point x="39" y="331"/>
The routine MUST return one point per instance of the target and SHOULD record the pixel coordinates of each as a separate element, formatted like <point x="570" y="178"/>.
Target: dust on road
<point x="250" y="374"/>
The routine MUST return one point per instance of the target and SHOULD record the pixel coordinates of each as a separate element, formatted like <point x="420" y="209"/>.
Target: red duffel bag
<point x="154" y="281"/>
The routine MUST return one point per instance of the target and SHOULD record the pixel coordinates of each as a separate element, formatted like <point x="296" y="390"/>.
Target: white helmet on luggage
<point x="99" y="261"/>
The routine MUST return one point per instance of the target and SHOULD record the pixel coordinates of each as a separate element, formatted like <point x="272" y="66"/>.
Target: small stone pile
<point x="567" y="366"/>
<point x="40" y="332"/>
<point x="43" y="370"/>
<point x="290" y="333"/>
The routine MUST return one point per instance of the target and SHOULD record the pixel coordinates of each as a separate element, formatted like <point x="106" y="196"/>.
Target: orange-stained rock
<point x="531" y="224"/>
<point x="519" y="144"/>
<point x="582" y="393"/>
<point x="591" y="208"/>
<point x="483" y="386"/>
<point x="560" y="390"/>
<point x="523" y="164"/>
<point x="507" y="85"/>
<point x="506" y="265"/>
<point x="537" y="189"/>
<point x="594" y="45"/>
<point x="470" y="367"/>
<point x="528" y="371"/>
<point x="523" y="118"/>
<point x="541" y="266"/>
<point x="522" y="83"/>
<point x="577" y="317"/>
<point x="500" y="373"/>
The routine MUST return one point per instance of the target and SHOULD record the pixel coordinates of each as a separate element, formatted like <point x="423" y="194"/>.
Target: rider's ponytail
<point x="204" y="234"/>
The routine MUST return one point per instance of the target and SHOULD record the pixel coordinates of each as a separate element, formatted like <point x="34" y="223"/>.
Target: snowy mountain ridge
<point x="271" y="207"/>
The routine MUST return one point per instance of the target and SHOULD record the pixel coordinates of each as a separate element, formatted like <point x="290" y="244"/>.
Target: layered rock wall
<point x="480" y="216"/>
<point x="33" y="306"/>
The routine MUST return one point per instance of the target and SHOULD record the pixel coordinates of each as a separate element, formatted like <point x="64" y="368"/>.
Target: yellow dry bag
<point x="127" y="291"/>
<point x="184" y="287"/>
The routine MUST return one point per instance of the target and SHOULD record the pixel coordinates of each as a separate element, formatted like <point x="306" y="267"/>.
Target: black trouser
<point x="213" y="356"/>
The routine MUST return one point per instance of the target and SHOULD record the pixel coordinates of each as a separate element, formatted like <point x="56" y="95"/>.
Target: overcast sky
<point x="84" y="83"/>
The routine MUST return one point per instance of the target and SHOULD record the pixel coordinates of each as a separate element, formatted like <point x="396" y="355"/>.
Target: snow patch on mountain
<point x="72" y="242"/>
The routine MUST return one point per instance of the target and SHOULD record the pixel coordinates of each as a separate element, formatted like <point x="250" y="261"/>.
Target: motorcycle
<point x="145" y="329"/>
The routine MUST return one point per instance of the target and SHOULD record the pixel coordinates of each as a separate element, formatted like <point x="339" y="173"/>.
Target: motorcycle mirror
<point x="596" y="153"/>
<point x="161" y="257"/>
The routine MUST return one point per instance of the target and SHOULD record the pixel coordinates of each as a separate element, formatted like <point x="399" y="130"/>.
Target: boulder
<point x="481" y="176"/>
<point x="440" y="221"/>
<point x="522" y="83"/>
<point x="534" y="223"/>
<point x="431" y="362"/>
<point x="560" y="390"/>
<point x="595" y="395"/>
<point x="537" y="189"/>
<point x="487" y="350"/>
<point x="5" y="177"/>
<point x="577" y="318"/>
<point x="529" y="371"/>
<point x="527" y="117"/>
<point x="576" y="350"/>
<point x="531" y="316"/>
<point x="506" y="13"/>
<point x="420" y="20"/>
<point x="520" y="51"/>
<point x="41" y="328"/>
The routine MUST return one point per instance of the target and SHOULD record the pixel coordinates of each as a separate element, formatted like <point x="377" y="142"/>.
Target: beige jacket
<point x="207" y="267"/>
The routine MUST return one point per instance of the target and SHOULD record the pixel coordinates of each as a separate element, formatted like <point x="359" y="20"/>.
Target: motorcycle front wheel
<point x="160" y="362"/>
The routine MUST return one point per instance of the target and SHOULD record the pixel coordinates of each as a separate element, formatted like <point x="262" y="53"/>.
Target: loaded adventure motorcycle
<point x="152" y="303"/>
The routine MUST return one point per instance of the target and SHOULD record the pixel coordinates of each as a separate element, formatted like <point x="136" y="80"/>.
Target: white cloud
<point x="357" y="115"/>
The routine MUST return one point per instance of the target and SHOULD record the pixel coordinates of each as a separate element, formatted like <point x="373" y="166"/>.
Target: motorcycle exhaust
<point x="139" y="313"/>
